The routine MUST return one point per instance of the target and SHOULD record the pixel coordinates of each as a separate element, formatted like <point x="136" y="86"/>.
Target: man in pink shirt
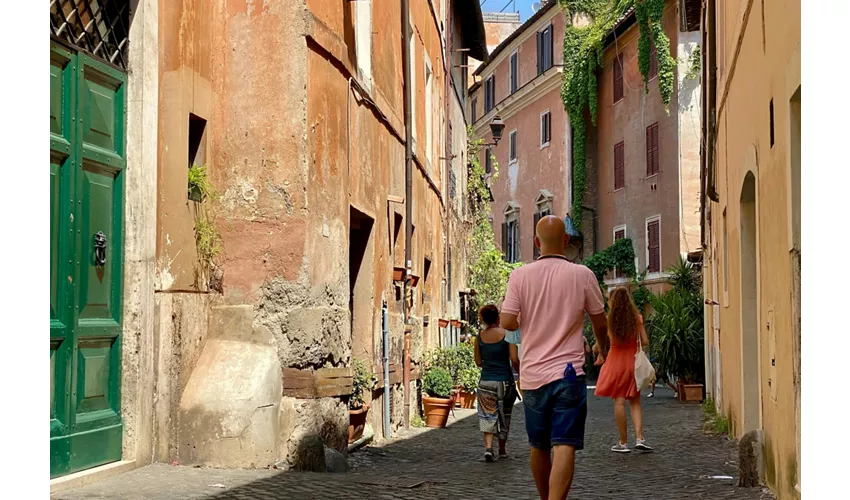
<point x="551" y="296"/>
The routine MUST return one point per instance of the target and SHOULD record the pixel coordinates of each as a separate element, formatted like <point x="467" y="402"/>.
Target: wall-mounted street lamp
<point x="497" y="126"/>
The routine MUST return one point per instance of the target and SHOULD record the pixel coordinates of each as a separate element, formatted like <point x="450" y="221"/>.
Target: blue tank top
<point x="496" y="361"/>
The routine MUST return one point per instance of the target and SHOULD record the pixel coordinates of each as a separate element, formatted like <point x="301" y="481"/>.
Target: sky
<point x="521" y="6"/>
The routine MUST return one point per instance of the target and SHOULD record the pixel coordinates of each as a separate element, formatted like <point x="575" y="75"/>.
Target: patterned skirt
<point x="495" y="403"/>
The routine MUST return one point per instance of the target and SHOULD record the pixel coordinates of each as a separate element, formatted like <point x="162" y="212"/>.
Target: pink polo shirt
<point x="551" y="296"/>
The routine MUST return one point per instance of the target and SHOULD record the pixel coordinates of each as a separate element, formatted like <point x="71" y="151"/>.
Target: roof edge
<point x="517" y="32"/>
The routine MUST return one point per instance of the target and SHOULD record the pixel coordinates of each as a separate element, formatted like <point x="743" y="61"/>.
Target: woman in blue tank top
<point x="496" y="390"/>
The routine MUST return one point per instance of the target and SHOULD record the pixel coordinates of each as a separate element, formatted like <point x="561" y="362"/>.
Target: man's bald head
<point x="551" y="236"/>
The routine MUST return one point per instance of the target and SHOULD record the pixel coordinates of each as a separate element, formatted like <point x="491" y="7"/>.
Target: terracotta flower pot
<point x="398" y="273"/>
<point x="466" y="399"/>
<point x="693" y="392"/>
<point x="680" y="390"/>
<point x="356" y="423"/>
<point x="456" y="323"/>
<point x="444" y="323"/>
<point x="437" y="410"/>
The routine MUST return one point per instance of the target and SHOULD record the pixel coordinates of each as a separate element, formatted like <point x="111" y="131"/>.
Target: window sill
<point x="619" y="100"/>
<point x="512" y="162"/>
<point x="544" y="145"/>
<point x="652" y="176"/>
<point x="616" y="190"/>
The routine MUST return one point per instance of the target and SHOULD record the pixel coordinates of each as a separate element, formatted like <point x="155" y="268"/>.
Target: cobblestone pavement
<point x="448" y="464"/>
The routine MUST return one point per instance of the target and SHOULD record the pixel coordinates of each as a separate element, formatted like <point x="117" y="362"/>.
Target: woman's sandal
<point x="488" y="455"/>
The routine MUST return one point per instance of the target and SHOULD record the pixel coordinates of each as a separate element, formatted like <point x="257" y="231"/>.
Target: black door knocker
<point x="100" y="249"/>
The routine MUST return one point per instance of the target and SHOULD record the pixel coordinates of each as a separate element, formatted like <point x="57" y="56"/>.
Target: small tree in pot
<point x="358" y="407"/>
<point x="437" y="384"/>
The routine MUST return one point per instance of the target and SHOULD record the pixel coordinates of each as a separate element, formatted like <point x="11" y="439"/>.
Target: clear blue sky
<point x="521" y="6"/>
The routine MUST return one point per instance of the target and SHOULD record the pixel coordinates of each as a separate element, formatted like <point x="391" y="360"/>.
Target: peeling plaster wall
<point x="290" y="151"/>
<point x="766" y="59"/>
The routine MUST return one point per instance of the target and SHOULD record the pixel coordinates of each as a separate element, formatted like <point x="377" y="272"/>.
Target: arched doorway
<point x="749" y="307"/>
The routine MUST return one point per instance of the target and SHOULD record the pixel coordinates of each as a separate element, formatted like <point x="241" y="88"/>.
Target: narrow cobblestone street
<point x="448" y="464"/>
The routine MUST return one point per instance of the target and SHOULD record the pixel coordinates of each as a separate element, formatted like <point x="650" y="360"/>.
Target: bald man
<point x="552" y="295"/>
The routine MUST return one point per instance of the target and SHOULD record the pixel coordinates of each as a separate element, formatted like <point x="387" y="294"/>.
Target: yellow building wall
<point x="759" y="60"/>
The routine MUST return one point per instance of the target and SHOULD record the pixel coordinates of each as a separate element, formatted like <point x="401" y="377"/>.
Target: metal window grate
<point x="452" y="185"/>
<point x="99" y="27"/>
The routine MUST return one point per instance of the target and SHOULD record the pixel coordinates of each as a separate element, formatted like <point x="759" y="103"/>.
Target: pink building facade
<point x="521" y="83"/>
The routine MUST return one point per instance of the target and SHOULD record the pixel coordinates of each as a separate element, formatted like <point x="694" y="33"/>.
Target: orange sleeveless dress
<point x="617" y="376"/>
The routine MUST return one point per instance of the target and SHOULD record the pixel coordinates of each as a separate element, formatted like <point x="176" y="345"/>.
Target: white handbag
<point x="644" y="372"/>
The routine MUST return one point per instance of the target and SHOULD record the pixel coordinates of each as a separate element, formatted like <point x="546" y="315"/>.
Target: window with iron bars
<point x="452" y="185"/>
<point x="98" y="27"/>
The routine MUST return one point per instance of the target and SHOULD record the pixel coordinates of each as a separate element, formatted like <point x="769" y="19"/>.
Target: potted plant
<point x="676" y="332"/>
<point x="437" y="384"/>
<point x="467" y="386"/>
<point x="444" y="323"/>
<point x="199" y="183"/>
<point x="363" y="382"/>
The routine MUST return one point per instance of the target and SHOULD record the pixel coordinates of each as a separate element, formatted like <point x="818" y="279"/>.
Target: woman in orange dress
<point x="617" y="376"/>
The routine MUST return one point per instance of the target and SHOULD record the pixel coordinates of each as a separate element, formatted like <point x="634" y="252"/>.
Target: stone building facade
<point x="643" y="155"/>
<point x="240" y="314"/>
<point x="751" y="129"/>
<point x="522" y="83"/>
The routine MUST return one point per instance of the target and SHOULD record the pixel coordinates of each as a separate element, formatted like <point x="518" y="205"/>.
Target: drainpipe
<point x="448" y="66"/>
<point x="408" y="186"/>
<point x="385" y="333"/>
<point x="712" y="100"/>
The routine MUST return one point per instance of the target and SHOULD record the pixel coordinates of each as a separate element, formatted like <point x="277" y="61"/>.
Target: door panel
<point x="86" y="197"/>
<point x="62" y="157"/>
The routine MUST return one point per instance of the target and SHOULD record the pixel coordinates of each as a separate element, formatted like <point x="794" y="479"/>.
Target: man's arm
<point x="514" y="357"/>
<point x="594" y="305"/>
<point x="600" y="331"/>
<point x="508" y="321"/>
<point x="508" y="318"/>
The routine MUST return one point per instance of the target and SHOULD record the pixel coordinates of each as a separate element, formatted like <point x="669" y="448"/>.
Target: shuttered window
<point x="619" y="234"/>
<point x="545" y="128"/>
<point x="514" y="72"/>
<point x="619" y="166"/>
<point x="513" y="146"/>
<point x="652" y="159"/>
<point x="488" y="161"/>
<point x="510" y="239"/>
<point x="653" y="61"/>
<point x="474" y="109"/>
<point x="653" y="239"/>
<point x="489" y="94"/>
<point x="537" y="216"/>
<point x="618" y="77"/>
<point x="545" y="49"/>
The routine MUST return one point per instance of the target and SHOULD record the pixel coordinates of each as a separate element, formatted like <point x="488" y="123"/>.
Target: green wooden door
<point x="87" y="110"/>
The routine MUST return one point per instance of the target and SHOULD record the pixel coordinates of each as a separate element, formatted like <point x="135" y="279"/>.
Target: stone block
<point x="335" y="461"/>
<point x="750" y="460"/>
<point x="229" y="411"/>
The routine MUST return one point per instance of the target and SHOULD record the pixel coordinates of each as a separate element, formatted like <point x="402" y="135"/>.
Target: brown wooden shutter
<point x="618" y="77"/>
<point x="539" y="52"/>
<point x="536" y="220"/>
<point x="505" y="238"/>
<point x="619" y="166"/>
<point x="656" y="165"/>
<point x="517" y="240"/>
<point x="653" y="61"/>
<point x="652" y="158"/>
<point x="654" y="247"/>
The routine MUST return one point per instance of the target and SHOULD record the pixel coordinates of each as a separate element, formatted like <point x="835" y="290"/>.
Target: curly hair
<point x="622" y="315"/>
<point x="489" y="314"/>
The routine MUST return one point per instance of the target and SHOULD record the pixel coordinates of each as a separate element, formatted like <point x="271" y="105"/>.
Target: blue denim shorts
<point x="555" y="414"/>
